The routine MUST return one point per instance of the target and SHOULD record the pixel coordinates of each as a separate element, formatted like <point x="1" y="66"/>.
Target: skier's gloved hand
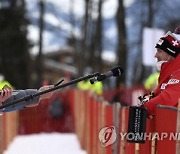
<point x="145" y="98"/>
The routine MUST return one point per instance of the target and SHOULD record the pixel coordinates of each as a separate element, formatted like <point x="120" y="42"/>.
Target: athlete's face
<point x="163" y="56"/>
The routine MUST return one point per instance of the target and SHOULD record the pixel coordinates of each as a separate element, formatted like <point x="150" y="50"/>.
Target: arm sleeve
<point x="168" y="96"/>
<point x="18" y="94"/>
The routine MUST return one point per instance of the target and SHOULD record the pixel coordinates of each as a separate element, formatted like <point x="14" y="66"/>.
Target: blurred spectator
<point x="4" y="82"/>
<point x="96" y="88"/>
<point x="152" y="81"/>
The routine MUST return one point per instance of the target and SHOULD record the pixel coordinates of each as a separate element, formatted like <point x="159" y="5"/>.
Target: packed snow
<point x="45" y="143"/>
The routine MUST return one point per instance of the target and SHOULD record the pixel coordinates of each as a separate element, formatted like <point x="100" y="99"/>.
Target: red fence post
<point x="91" y="125"/>
<point x="147" y="148"/>
<point x="109" y="122"/>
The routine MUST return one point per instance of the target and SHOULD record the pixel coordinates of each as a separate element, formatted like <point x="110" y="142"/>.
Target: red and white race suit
<point x="168" y="89"/>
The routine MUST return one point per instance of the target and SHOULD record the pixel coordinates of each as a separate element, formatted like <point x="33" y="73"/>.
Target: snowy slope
<point x="51" y="143"/>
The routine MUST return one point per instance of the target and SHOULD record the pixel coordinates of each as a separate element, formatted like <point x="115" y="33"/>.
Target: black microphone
<point x="115" y="72"/>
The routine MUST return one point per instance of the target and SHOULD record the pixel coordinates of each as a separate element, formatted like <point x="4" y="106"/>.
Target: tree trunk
<point x="39" y="59"/>
<point x="14" y="47"/>
<point x="96" y="44"/>
<point x="122" y="46"/>
<point x="99" y="36"/>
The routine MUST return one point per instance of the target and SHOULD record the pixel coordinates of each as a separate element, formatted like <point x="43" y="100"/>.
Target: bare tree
<point x="91" y="47"/>
<point x="96" y="44"/>
<point x="99" y="36"/>
<point x="145" y="18"/>
<point x="15" y="58"/>
<point x="39" y="59"/>
<point x="83" y="49"/>
<point x="122" y="41"/>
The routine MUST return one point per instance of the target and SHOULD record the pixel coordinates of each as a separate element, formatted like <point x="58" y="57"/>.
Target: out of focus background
<point x="44" y="41"/>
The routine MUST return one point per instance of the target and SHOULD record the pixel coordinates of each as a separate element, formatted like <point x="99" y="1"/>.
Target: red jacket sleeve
<point x="169" y="96"/>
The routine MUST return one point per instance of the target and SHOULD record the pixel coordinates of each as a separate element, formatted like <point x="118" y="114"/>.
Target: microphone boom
<point x="115" y="72"/>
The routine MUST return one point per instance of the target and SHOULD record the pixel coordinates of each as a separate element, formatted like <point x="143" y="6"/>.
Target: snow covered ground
<point x="45" y="143"/>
